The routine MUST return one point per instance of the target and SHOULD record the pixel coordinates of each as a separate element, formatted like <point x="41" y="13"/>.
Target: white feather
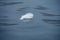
<point x="27" y="16"/>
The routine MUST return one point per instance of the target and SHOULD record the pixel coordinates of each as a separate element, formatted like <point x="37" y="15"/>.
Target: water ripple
<point x="51" y="21"/>
<point x="22" y="9"/>
<point x="3" y="16"/>
<point x="47" y="14"/>
<point x="9" y="3"/>
<point x="7" y="24"/>
<point x="41" y="8"/>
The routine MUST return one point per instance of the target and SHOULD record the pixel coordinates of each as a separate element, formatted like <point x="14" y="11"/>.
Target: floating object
<point x="27" y="17"/>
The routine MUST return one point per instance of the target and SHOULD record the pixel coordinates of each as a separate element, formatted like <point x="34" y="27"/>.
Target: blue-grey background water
<point x="44" y="26"/>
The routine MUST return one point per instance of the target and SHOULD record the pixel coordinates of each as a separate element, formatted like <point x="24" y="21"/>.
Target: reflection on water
<point x="51" y="21"/>
<point x="47" y="14"/>
<point x="7" y="24"/>
<point x="9" y="3"/>
<point x="41" y="8"/>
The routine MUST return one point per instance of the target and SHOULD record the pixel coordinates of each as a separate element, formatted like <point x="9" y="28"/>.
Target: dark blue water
<point x="44" y="26"/>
